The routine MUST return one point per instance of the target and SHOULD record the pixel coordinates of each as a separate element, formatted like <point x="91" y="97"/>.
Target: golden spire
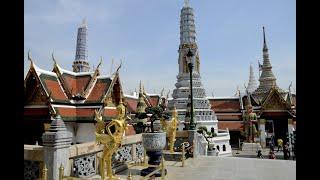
<point x="140" y="87"/>
<point x="29" y="57"/>
<point x="186" y="3"/>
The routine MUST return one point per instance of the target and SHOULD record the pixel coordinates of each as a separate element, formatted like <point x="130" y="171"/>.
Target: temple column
<point x="56" y="143"/>
<point x="262" y="130"/>
<point x="290" y="129"/>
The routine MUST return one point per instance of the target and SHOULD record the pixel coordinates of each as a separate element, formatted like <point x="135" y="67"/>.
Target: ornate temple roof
<point x="74" y="96"/>
<point x="225" y="104"/>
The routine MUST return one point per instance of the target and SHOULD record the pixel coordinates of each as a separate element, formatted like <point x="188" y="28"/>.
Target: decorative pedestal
<point x="153" y="144"/>
<point x="56" y="143"/>
<point x="175" y="156"/>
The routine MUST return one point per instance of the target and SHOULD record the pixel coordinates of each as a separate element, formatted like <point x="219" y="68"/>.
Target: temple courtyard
<point x="225" y="168"/>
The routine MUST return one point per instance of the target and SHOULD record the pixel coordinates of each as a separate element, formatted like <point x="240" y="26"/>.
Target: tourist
<point x="271" y="146"/>
<point x="280" y="143"/>
<point x="259" y="155"/>
<point x="286" y="152"/>
<point x="293" y="151"/>
<point x="217" y="152"/>
<point x="272" y="155"/>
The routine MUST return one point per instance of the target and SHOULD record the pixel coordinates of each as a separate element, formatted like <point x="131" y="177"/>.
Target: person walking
<point x="271" y="146"/>
<point x="272" y="155"/>
<point x="259" y="155"/>
<point x="286" y="153"/>
<point x="217" y="152"/>
<point x="280" y="143"/>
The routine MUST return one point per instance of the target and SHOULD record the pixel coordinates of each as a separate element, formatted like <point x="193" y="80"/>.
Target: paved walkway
<point x="225" y="168"/>
<point x="253" y="154"/>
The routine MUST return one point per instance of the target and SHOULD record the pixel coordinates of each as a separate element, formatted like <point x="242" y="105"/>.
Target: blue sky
<point x="145" y="35"/>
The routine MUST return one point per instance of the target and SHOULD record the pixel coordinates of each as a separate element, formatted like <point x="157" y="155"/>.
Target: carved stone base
<point x="154" y="159"/>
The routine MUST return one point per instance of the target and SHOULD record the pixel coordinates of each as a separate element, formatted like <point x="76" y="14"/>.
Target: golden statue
<point x="172" y="129"/>
<point x="111" y="139"/>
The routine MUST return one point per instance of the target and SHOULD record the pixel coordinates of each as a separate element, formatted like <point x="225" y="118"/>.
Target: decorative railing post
<point x="56" y="143"/>
<point x="44" y="172"/>
<point x="102" y="173"/>
<point x="61" y="172"/>
<point x="145" y="158"/>
<point x="163" y="174"/>
<point x="182" y="156"/>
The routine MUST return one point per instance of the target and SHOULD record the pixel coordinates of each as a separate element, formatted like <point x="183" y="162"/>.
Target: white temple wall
<point x="71" y="126"/>
<point x="85" y="132"/>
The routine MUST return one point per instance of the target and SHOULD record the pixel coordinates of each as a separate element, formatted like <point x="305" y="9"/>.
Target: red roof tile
<point x="225" y="105"/>
<point x="228" y="117"/>
<point x="130" y="131"/>
<point x="230" y="125"/>
<point x="99" y="90"/>
<point x="110" y="112"/>
<point x="76" y="84"/>
<point x="55" y="89"/>
<point x="76" y="112"/>
<point x="131" y="104"/>
<point x="154" y="100"/>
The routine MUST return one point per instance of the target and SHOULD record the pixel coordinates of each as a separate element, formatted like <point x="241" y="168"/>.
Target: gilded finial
<point x="186" y="3"/>
<point x="290" y="87"/>
<point x="264" y="40"/>
<point x="99" y="63"/>
<point x="161" y="94"/>
<point x="168" y="94"/>
<point x="84" y="22"/>
<point x="119" y="65"/>
<point x="140" y="87"/>
<point x="54" y="60"/>
<point x="29" y="57"/>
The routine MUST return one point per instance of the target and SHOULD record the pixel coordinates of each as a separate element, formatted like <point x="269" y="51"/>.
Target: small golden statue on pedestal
<point x="172" y="129"/>
<point x="110" y="139"/>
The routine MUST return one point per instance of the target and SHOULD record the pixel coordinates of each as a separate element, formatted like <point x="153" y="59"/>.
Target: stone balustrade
<point x="82" y="157"/>
<point x="33" y="161"/>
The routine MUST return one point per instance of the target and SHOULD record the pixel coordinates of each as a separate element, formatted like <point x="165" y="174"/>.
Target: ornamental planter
<point x="153" y="143"/>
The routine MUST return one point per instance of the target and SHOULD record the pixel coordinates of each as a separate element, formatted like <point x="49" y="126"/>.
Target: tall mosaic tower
<point x="80" y="64"/>
<point x="252" y="85"/>
<point x="267" y="79"/>
<point x="203" y="115"/>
